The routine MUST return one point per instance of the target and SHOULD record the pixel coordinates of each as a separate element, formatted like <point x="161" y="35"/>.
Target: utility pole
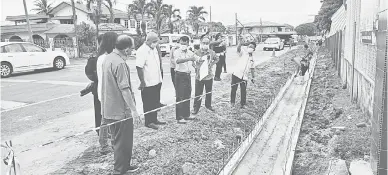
<point x="28" y="21"/>
<point x="236" y="30"/>
<point x="210" y="13"/>
<point x="261" y="30"/>
<point x="75" y="28"/>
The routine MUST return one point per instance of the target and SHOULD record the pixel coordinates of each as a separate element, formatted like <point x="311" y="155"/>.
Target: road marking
<point x="17" y="81"/>
<point x="10" y="104"/>
<point x="69" y="83"/>
<point x="44" y="101"/>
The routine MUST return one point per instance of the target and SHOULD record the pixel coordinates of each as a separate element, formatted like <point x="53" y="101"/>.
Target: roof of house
<point x="263" y="24"/>
<point x="61" y="28"/>
<point x="82" y="7"/>
<point x="61" y="17"/>
<point x="23" y="17"/>
<point x="23" y="28"/>
<point x="111" y="27"/>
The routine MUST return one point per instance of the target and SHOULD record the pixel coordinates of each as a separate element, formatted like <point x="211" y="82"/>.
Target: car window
<point x="32" y="48"/>
<point x="175" y="39"/>
<point x="164" y="40"/>
<point x="2" y="50"/>
<point x="13" y="48"/>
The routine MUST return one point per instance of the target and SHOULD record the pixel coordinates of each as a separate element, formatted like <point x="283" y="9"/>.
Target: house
<point x="58" y="24"/>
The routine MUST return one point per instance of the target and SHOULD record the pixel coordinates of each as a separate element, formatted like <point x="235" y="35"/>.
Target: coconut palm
<point x="107" y="3"/>
<point x="170" y="12"/>
<point x="139" y="7"/>
<point x="96" y="12"/>
<point x="42" y="6"/>
<point x="196" y="17"/>
<point x="157" y="11"/>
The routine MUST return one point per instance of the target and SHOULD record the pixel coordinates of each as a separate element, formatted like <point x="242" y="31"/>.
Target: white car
<point x="168" y="41"/>
<point x="25" y="56"/>
<point x="273" y="43"/>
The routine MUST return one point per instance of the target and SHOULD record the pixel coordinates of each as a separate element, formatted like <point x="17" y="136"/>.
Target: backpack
<point x="91" y="68"/>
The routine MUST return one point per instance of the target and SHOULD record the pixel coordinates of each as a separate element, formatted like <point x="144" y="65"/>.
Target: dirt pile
<point x="329" y="126"/>
<point x="201" y="146"/>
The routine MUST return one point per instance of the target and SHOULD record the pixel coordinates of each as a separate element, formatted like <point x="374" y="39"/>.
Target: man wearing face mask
<point x="184" y="60"/>
<point x="118" y="103"/>
<point x="207" y="58"/>
<point x="240" y="75"/>
<point x="149" y="72"/>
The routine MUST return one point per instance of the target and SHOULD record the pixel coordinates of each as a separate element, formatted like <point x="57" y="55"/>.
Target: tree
<point x="96" y="13"/>
<point x="308" y="29"/>
<point x="109" y="5"/>
<point x="217" y="27"/>
<point x="139" y="7"/>
<point x="328" y="8"/>
<point x="196" y="17"/>
<point x="42" y="6"/>
<point x="157" y="11"/>
<point x="86" y="36"/>
<point x="170" y="12"/>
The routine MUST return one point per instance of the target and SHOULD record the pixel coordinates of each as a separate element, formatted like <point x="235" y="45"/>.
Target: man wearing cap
<point x="118" y="103"/>
<point x="150" y="76"/>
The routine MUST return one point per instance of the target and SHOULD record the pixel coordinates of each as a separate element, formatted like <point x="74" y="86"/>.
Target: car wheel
<point x="59" y="63"/>
<point x="6" y="70"/>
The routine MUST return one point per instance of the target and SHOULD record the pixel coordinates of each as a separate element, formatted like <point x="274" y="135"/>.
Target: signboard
<point x="367" y="37"/>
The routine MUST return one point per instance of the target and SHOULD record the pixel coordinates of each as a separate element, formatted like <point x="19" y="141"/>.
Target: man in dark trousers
<point x="219" y="48"/>
<point x="150" y="76"/>
<point x="207" y="60"/>
<point x="118" y="103"/>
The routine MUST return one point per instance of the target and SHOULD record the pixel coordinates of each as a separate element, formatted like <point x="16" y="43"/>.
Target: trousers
<point x="243" y="88"/>
<point x="183" y="92"/>
<point x="199" y="91"/>
<point x="151" y="100"/>
<point x="219" y="66"/>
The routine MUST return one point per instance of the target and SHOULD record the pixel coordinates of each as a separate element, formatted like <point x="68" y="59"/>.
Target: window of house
<point x="66" y="21"/>
<point x="133" y="24"/>
<point x="117" y="20"/>
<point x="126" y="23"/>
<point x="138" y="24"/>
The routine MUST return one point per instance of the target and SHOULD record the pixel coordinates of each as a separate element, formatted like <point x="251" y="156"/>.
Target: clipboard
<point x="204" y="69"/>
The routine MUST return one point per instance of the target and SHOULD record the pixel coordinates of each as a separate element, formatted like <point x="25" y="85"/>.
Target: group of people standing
<point x="113" y="92"/>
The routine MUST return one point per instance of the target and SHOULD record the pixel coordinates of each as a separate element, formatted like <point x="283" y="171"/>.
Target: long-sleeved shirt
<point x="212" y="60"/>
<point x="115" y="79"/>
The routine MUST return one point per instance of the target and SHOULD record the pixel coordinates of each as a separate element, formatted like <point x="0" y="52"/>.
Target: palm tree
<point x="170" y="12"/>
<point x="42" y="6"/>
<point x="96" y="13"/>
<point x="157" y="11"/>
<point x="109" y="5"/>
<point x="196" y="16"/>
<point x="139" y="7"/>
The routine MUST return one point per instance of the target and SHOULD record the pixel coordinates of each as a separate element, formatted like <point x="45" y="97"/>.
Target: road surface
<point x="41" y="106"/>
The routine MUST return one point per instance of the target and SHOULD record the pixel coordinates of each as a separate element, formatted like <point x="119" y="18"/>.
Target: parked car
<point x="25" y="56"/>
<point x="273" y="43"/>
<point x="168" y="41"/>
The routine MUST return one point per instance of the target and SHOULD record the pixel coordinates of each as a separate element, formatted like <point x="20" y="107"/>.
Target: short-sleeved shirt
<point x="100" y="60"/>
<point x="115" y="78"/>
<point x="244" y="64"/>
<point x="172" y="59"/>
<point x="186" y="66"/>
<point x="212" y="60"/>
<point x="148" y="60"/>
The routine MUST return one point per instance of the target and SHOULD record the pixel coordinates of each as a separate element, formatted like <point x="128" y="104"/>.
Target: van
<point x="168" y="41"/>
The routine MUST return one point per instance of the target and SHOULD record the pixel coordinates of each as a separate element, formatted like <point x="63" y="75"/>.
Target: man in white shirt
<point x="150" y="75"/>
<point x="240" y="75"/>
<point x="184" y="61"/>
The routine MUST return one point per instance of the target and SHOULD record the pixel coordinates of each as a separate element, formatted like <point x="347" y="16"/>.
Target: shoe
<point x="152" y="126"/>
<point x="132" y="169"/>
<point x="195" y="111"/>
<point x="160" y="123"/>
<point x="211" y="109"/>
<point x="190" y="118"/>
<point x="217" y="79"/>
<point x="182" y="121"/>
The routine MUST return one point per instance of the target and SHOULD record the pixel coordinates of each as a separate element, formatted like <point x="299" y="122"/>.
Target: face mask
<point x="205" y="47"/>
<point x="153" y="45"/>
<point x="183" y="47"/>
<point x="250" y="50"/>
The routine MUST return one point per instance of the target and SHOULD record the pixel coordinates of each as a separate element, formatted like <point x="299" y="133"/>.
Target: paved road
<point x="40" y="106"/>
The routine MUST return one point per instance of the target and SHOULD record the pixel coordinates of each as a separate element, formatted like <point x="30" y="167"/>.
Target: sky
<point x="292" y="12"/>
